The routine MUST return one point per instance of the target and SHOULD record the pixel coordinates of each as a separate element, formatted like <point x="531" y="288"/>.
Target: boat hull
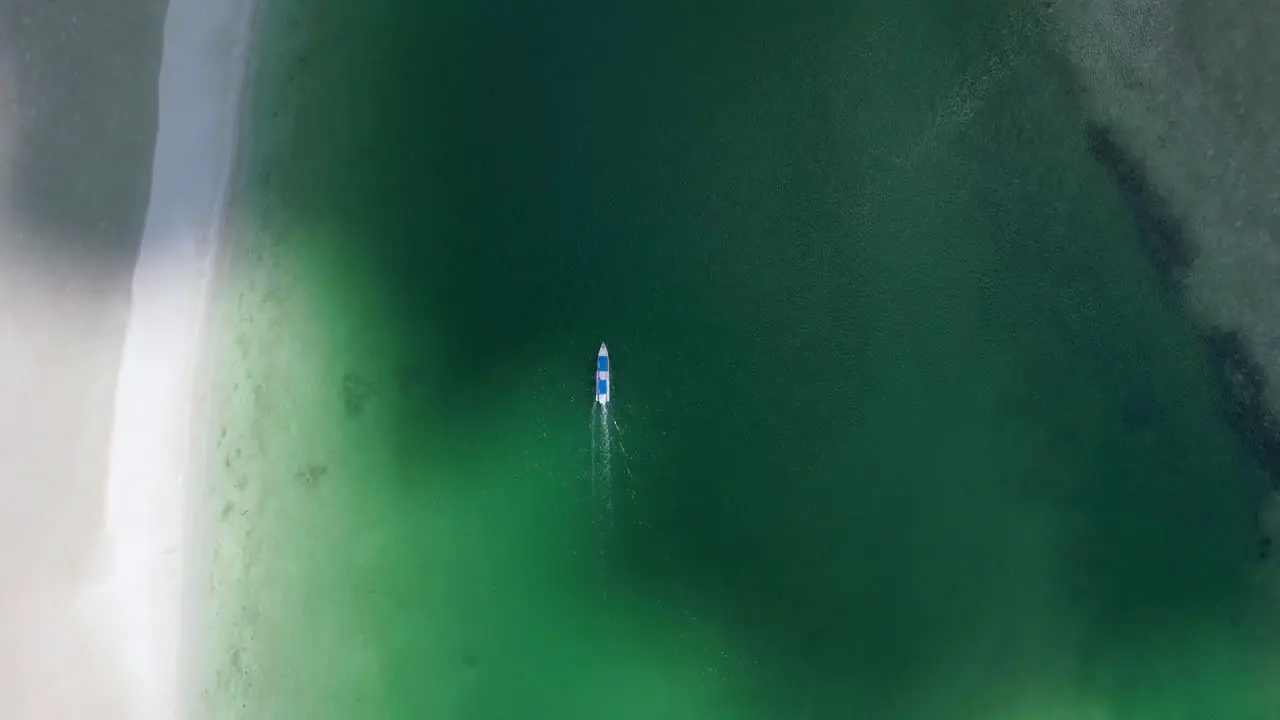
<point x="604" y="382"/>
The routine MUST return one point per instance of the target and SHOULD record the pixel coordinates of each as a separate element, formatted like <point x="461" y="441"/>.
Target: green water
<point x="904" y="425"/>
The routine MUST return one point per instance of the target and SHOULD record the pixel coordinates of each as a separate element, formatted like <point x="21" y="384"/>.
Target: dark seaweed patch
<point x="1160" y="234"/>
<point x="356" y="391"/>
<point x="311" y="474"/>
<point x="1243" y="387"/>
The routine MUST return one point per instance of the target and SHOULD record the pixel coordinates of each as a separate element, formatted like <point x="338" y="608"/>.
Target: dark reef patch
<point x="356" y="393"/>
<point x="1241" y="380"/>
<point x="311" y="474"/>
<point x="1159" y="232"/>
<point x="1243" y="387"/>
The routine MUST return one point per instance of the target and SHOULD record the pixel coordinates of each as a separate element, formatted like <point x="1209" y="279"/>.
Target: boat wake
<point x="609" y="488"/>
<point x="606" y="443"/>
<point x="602" y="480"/>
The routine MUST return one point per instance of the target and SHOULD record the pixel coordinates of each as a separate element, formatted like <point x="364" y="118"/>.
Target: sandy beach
<point x="76" y="176"/>
<point x="113" y="165"/>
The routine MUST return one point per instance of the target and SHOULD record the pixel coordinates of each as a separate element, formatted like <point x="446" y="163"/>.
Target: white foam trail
<point x="606" y="447"/>
<point x="595" y="449"/>
<point x="134" y="603"/>
<point x="602" y="481"/>
<point x="602" y="521"/>
<point x="626" y="468"/>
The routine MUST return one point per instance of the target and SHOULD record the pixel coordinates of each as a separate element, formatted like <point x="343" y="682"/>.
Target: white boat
<point x="603" y="386"/>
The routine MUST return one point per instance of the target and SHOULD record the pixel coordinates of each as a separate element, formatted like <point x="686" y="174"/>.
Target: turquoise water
<point x="904" y="426"/>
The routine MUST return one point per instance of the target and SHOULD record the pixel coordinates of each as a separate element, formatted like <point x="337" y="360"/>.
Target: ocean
<point x="905" y="424"/>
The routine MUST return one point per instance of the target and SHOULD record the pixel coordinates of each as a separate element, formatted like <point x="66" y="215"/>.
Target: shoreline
<point x="141" y="605"/>
<point x="199" y="632"/>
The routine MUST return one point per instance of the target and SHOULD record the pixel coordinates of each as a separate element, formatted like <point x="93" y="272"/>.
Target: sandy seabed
<point x="1188" y="90"/>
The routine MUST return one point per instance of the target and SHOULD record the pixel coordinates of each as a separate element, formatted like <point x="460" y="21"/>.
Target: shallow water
<point x="906" y="425"/>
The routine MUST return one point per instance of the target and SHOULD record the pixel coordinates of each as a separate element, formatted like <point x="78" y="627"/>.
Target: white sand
<point x="135" y="605"/>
